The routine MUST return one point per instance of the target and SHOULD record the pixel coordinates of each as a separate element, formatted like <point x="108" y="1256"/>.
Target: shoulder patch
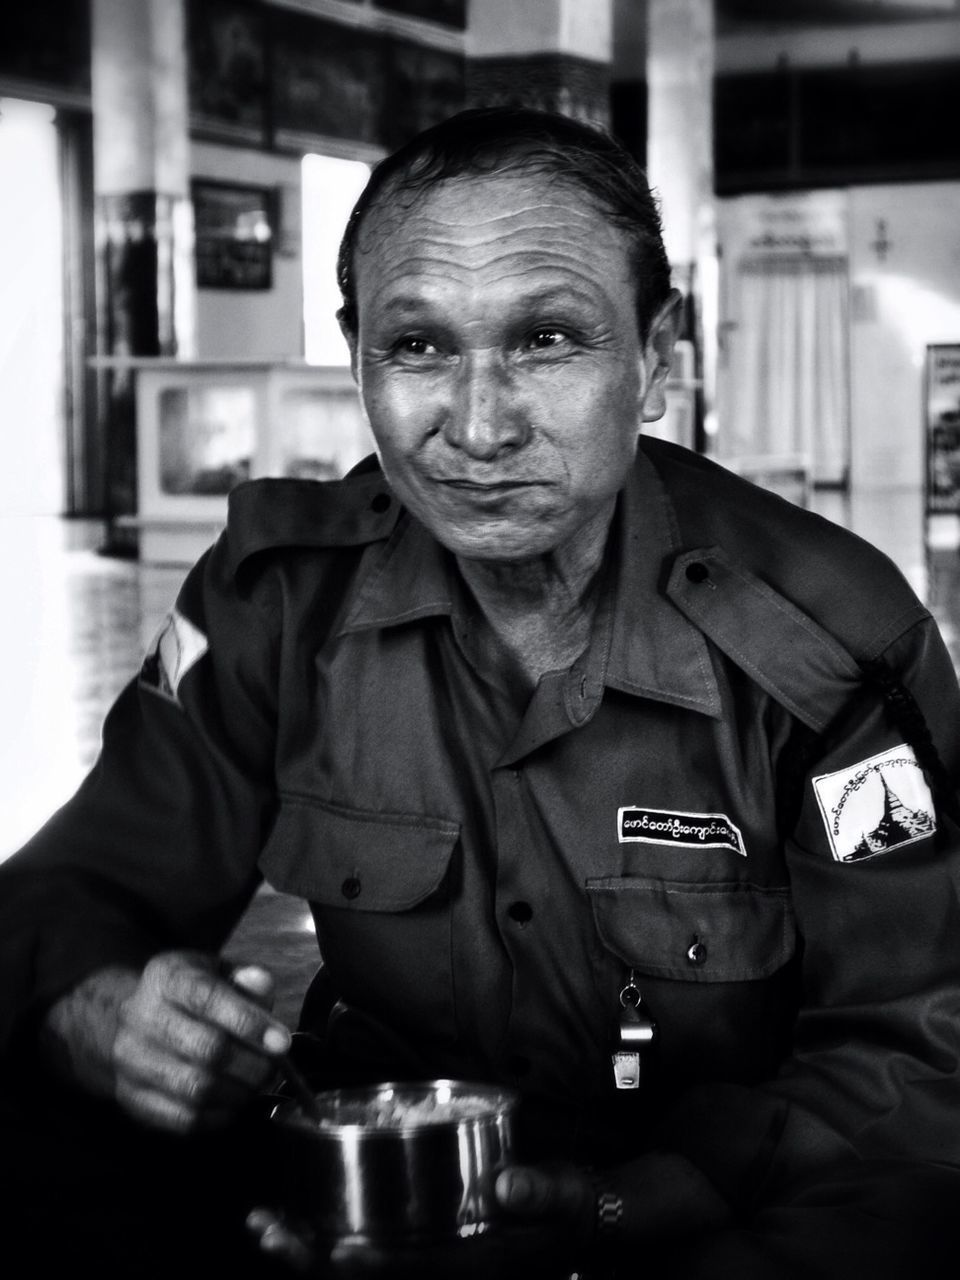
<point x="875" y="806"/>
<point x="175" y="649"/>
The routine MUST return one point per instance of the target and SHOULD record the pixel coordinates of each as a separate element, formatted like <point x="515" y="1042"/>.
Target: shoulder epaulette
<point x="828" y="572"/>
<point x="790" y="655"/>
<point x="787" y="653"/>
<point x="272" y="513"/>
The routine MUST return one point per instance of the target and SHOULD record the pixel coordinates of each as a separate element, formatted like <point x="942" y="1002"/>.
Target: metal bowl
<point x="395" y="1163"/>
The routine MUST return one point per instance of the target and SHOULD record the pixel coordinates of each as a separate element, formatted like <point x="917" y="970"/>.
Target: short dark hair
<point x="489" y="140"/>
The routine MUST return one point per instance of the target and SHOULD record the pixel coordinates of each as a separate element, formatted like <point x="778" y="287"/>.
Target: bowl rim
<point x="503" y="1098"/>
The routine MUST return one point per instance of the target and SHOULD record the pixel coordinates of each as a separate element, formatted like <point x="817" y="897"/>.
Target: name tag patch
<point x="875" y="806"/>
<point x="686" y="830"/>
<point x="177" y="646"/>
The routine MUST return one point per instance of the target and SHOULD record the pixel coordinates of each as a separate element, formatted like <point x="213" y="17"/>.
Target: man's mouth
<point x="487" y="486"/>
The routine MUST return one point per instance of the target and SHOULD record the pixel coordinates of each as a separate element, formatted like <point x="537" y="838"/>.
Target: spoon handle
<point x="305" y="1095"/>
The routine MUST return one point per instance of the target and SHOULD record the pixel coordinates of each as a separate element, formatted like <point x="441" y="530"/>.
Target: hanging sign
<point x="809" y="224"/>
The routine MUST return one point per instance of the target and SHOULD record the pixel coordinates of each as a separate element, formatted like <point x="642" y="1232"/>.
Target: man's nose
<point x="483" y="416"/>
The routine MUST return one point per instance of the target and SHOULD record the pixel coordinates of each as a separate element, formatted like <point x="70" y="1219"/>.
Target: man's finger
<point x="254" y="980"/>
<point x="535" y="1193"/>
<point x="219" y="1003"/>
<point x="278" y="1240"/>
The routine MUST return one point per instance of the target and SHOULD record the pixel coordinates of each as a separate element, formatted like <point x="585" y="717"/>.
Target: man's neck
<point x="536" y="615"/>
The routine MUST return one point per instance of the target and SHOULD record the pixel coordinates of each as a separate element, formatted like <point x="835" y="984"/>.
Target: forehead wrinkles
<point x="496" y="226"/>
<point x="480" y="267"/>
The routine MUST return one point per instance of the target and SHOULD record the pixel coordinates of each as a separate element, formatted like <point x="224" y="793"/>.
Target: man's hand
<point x="279" y="1241"/>
<point x="661" y="1195"/>
<point x="182" y="1047"/>
<point x="552" y="1227"/>
<point x="559" y="1195"/>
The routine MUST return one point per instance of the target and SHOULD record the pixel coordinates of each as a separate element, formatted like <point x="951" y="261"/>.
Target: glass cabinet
<point x="204" y="427"/>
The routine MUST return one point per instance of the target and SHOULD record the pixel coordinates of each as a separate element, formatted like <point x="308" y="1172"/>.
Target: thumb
<point x="536" y="1193"/>
<point x="279" y="1241"/>
<point x="253" y="980"/>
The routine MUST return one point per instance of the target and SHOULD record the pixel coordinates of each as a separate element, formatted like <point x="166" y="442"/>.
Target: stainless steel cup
<point x="395" y="1163"/>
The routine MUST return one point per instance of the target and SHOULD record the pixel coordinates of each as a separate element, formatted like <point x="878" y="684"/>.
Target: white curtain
<point x="788" y="370"/>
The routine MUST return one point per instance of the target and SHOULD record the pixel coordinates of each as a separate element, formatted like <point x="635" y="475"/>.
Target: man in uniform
<point x="606" y="774"/>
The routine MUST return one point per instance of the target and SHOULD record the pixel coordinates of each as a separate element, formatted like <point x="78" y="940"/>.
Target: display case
<point x="205" y="426"/>
<point x="942" y="428"/>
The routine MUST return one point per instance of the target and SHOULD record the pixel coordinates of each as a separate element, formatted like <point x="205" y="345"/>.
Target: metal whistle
<point x="637" y="1033"/>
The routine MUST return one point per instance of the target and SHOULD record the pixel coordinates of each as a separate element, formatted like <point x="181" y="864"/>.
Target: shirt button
<point x="697" y="572"/>
<point x="350" y="887"/>
<point x="697" y="952"/>
<point x="520" y="913"/>
<point x="518" y="1065"/>
<point x="380" y="502"/>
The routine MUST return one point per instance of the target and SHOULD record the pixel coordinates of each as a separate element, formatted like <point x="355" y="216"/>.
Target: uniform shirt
<point x="710" y="804"/>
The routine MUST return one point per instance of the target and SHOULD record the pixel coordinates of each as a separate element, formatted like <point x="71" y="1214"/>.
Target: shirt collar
<point x="411" y="578"/>
<point x="654" y="650"/>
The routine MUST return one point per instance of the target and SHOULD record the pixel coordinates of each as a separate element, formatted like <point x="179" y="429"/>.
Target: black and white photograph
<point x="480" y="675"/>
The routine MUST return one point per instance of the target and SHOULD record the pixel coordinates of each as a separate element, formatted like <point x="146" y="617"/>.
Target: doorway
<point x="33" y="470"/>
<point x="789" y="364"/>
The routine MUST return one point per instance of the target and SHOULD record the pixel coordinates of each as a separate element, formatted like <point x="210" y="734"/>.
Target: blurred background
<point x="174" y="180"/>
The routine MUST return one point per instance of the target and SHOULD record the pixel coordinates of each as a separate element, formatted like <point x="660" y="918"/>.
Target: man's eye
<point x="413" y="346"/>
<point x="544" y="339"/>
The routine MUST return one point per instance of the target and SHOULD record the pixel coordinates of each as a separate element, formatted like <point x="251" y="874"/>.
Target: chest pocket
<point x="379" y="889"/>
<point x="725" y="932"/>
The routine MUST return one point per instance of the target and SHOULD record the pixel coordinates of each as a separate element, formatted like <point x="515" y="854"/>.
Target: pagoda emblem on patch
<point x="875" y="806"/>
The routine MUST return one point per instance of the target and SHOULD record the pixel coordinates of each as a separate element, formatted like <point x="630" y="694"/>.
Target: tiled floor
<point x="76" y="624"/>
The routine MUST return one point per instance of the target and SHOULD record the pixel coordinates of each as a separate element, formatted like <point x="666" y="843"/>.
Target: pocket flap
<point x="356" y="858"/>
<point x="729" y="932"/>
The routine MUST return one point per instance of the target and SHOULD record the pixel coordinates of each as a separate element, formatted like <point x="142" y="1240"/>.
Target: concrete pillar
<point x="143" y="214"/>
<point x="551" y="54"/>
<point x="680" y="66"/>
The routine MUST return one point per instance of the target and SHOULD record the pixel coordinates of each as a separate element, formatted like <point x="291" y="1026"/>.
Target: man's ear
<point x="658" y="357"/>
<point x="350" y="337"/>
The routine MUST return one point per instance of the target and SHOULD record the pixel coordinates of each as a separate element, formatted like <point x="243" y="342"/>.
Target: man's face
<point x="499" y="361"/>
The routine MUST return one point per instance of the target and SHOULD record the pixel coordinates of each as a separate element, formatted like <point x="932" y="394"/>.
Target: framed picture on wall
<point x="942" y="424"/>
<point x="326" y="79"/>
<point x="235" y="227"/>
<point x="421" y="87"/>
<point x="226" y="49"/>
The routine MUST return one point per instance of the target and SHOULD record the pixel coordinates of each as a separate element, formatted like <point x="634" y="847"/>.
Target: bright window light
<point x="31" y="310"/>
<point x="330" y="189"/>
